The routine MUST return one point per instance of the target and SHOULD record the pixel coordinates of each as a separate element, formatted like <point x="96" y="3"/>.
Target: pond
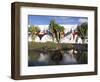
<point x="55" y="57"/>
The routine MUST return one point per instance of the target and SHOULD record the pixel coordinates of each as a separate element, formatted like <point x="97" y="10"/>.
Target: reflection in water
<point x="45" y="59"/>
<point x="68" y="59"/>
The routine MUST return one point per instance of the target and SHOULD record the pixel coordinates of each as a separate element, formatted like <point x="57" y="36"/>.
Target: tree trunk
<point x="58" y="46"/>
<point x="83" y="41"/>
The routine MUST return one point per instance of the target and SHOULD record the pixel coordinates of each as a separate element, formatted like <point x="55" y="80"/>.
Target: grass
<point x="47" y="45"/>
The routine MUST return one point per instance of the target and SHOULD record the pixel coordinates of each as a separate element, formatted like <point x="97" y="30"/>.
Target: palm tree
<point x="33" y="31"/>
<point x="82" y="30"/>
<point x="52" y="28"/>
<point x="56" y="31"/>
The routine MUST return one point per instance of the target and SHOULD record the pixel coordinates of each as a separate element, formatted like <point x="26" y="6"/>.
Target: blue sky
<point x="45" y="20"/>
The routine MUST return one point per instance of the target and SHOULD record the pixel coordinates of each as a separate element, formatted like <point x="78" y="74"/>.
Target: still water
<point x="43" y="59"/>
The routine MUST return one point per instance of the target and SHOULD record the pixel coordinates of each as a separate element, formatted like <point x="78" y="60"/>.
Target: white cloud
<point x="82" y="20"/>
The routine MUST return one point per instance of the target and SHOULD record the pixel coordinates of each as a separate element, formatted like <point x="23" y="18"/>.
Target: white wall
<point x="5" y="42"/>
